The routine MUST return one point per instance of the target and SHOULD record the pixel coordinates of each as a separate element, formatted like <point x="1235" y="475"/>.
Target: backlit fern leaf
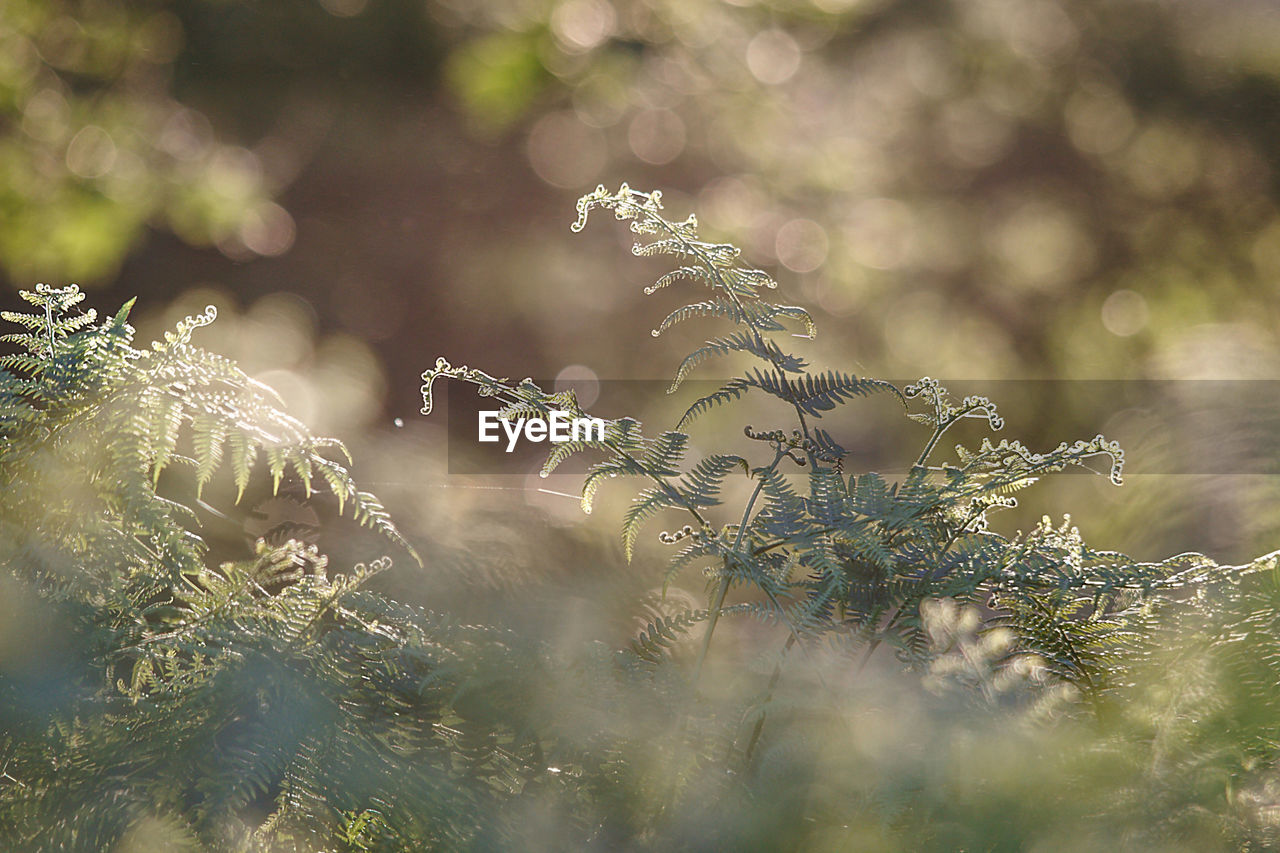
<point x="737" y="342"/>
<point x="821" y="392"/>
<point x="703" y="483"/>
<point x="653" y="644"/>
<point x="665" y="453"/>
<point x="646" y="504"/>
<point x="208" y="433"/>
<point x="763" y="315"/>
<point x="730" y="391"/>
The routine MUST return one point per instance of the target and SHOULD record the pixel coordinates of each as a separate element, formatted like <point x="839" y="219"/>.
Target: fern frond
<point x="730" y="391"/>
<point x="645" y="505"/>
<point x="746" y="342"/>
<point x="653" y="644"/>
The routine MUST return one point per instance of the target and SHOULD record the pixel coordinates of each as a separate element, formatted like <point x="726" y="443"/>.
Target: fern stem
<point x="768" y="697"/>
<point x="48" y="319"/>
<point x="941" y="426"/>
<point x="876" y="641"/>
<point x="723" y="590"/>
<point x="716" y="604"/>
<point x="933" y="442"/>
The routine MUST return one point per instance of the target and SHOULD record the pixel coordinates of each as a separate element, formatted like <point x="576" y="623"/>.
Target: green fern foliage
<point x="846" y="558"/>
<point x="231" y="707"/>
<point x="74" y="382"/>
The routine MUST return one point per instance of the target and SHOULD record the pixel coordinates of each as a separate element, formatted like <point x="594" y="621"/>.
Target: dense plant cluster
<point x="1045" y="690"/>
<point x="850" y="556"/>
<point x="171" y="702"/>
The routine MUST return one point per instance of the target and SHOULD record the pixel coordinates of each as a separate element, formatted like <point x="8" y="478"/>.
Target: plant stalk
<point x="718" y="601"/>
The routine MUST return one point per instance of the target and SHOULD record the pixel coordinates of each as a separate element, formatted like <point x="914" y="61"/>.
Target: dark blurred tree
<point x="105" y="126"/>
<point x="95" y="147"/>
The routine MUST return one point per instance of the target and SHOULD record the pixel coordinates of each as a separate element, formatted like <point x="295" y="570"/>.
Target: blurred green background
<point x="972" y="189"/>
